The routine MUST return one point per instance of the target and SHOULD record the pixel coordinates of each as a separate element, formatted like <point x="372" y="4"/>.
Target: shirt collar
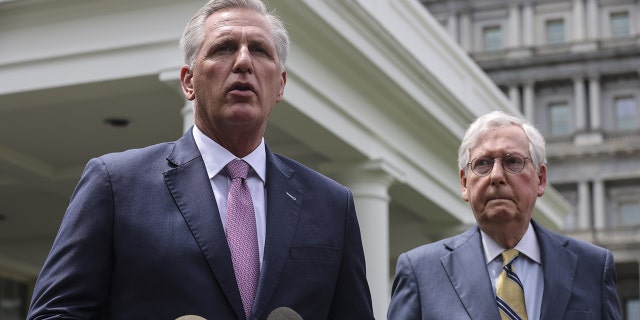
<point x="528" y="246"/>
<point x="216" y="157"/>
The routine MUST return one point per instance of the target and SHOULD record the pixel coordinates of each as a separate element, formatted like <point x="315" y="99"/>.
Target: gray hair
<point x="193" y="34"/>
<point x="498" y="119"/>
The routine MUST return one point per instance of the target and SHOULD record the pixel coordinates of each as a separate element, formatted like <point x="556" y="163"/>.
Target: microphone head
<point x="190" y="317"/>
<point x="284" y="313"/>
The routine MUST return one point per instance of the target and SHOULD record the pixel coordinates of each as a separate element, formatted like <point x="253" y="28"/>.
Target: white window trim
<point x="544" y="13"/>
<point x="622" y="195"/>
<point x="609" y="108"/>
<point x="605" y="17"/>
<point x="485" y="19"/>
<point x="546" y="99"/>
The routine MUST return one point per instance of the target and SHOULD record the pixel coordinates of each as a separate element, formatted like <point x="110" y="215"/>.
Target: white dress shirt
<point x="528" y="267"/>
<point x="215" y="158"/>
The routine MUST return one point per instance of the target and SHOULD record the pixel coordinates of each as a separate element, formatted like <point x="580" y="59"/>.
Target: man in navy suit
<point x="144" y="236"/>
<point x="502" y="173"/>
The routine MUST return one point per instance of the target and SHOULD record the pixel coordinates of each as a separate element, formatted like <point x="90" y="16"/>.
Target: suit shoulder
<point x="580" y="247"/>
<point x="136" y="158"/>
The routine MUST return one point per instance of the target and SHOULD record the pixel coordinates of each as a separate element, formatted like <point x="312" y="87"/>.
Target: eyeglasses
<point x="512" y="163"/>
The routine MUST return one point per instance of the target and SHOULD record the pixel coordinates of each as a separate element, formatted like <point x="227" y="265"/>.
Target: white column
<point x="527" y="25"/>
<point x="594" y="103"/>
<point x="452" y="26"/>
<point x="513" y="31"/>
<point x="514" y="96"/>
<point x="583" y="206"/>
<point x="635" y="27"/>
<point x="528" y="103"/>
<point x="370" y="183"/>
<point x="578" y="20"/>
<point x="579" y="104"/>
<point x="599" y="204"/>
<point x="592" y="17"/>
<point x="465" y="31"/>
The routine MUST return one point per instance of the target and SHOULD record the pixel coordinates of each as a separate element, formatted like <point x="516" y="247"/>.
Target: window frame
<point x="615" y="113"/>
<point x="619" y="197"/>
<point x="548" y="35"/>
<point x="552" y="11"/>
<point x="499" y="39"/>
<point x="605" y="18"/>
<point x="551" y="105"/>
<point x="612" y="29"/>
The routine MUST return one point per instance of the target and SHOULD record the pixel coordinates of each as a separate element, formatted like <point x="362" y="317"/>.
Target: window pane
<point x="632" y="309"/>
<point x="13" y="299"/>
<point x="619" y="24"/>
<point x="492" y="38"/>
<point x="629" y="213"/>
<point x="626" y="113"/>
<point x="560" y="119"/>
<point x="555" y="31"/>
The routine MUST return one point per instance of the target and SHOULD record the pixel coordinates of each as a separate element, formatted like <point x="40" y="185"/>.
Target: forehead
<point x="502" y="140"/>
<point x="237" y="20"/>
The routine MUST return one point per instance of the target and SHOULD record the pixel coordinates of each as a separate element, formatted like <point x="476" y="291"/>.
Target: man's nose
<point x="243" y="62"/>
<point x="497" y="172"/>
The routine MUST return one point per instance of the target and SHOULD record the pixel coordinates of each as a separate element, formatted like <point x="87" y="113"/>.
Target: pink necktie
<point x="241" y="233"/>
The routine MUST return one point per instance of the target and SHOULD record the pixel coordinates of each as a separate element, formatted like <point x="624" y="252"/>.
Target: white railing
<point x="609" y="237"/>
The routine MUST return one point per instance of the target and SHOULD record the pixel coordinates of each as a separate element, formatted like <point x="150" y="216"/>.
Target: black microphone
<point x="284" y="313"/>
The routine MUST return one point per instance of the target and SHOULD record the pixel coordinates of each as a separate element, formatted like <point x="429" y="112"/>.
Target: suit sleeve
<point x="610" y="302"/>
<point x="352" y="298"/>
<point x="405" y="296"/>
<point x="74" y="281"/>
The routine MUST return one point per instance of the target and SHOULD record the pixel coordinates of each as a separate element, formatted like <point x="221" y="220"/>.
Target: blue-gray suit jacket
<point x="142" y="239"/>
<point x="448" y="279"/>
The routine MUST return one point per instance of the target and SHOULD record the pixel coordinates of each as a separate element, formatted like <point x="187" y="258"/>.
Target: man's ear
<point x="186" y="80"/>
<point x="283" y="82"/>
<point x="463" y="185"/>
<point x="542" y="180"/>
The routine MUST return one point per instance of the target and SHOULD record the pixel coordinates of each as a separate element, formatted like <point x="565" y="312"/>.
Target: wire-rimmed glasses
<point x="511" y="162"/>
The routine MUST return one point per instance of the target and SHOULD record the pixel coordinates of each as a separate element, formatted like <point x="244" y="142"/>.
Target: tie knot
<point x="237" y="169"/>
<point x="508" y="256"/>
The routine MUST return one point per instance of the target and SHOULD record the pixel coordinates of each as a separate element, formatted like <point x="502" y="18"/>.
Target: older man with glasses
<point x="507" y="266"/>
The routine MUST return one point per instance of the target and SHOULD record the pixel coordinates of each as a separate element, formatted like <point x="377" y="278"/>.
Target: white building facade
<point x="378" y="97"/>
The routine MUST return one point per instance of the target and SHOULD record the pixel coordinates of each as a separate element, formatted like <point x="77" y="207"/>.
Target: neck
<point x="506" y="236"/>
<point x="238" y="143"/>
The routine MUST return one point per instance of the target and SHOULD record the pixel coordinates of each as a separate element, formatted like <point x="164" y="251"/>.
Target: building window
<point x="13" y="299"/>
<point x="560" y="119"/>
<point x="555" y="31"/>
<point x="492" y="38"/>
<point x="629" y="213"/>
<point x="619" y="24"/>
<point x="626" y="113"/>
<point x="632" y="309"/>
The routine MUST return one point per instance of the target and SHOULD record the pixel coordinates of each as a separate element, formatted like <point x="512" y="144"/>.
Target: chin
<point x="500" y="216"/>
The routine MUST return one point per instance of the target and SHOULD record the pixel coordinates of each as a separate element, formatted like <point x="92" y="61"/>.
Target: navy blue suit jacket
<point x="142" y="239"/>
<point x="448" y="279"/>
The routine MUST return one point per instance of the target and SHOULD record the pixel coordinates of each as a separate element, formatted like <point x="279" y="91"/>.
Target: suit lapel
<point x="284" y="199"/>
<point x="191" y="189"/>
<point x="467" y="271"/>
<point x="558" y="267"/>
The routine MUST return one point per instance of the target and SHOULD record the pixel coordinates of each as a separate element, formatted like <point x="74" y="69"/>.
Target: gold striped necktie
<point x="509" y="291"/>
